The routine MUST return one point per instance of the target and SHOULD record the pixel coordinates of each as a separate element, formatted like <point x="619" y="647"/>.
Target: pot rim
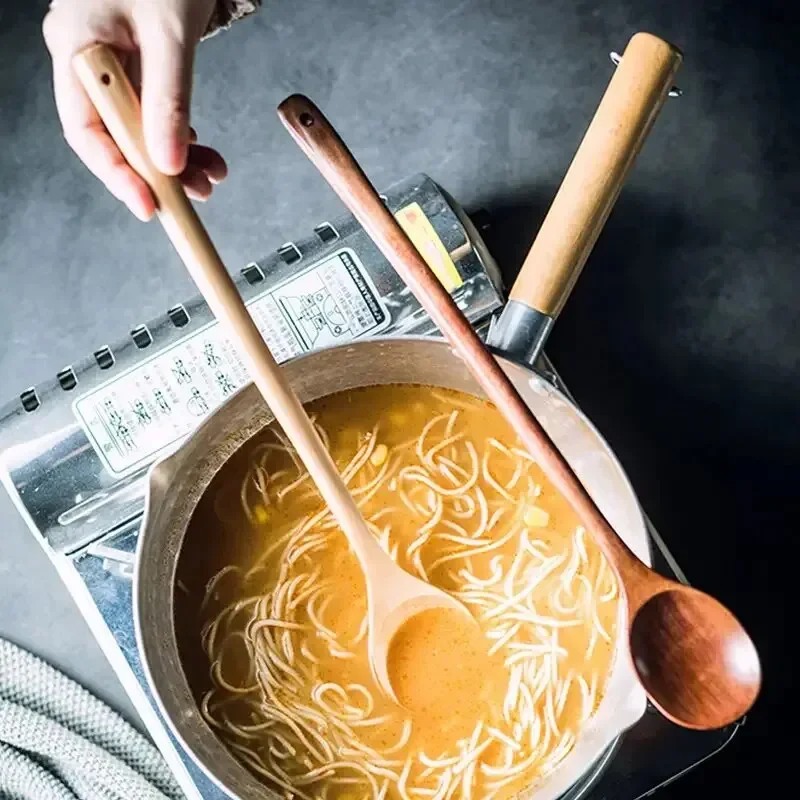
<point x="551" y="788"/>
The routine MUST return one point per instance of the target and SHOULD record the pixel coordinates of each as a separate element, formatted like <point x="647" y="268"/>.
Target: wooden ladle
<point x="694" y="659"/>
<point x="393" y="596"/>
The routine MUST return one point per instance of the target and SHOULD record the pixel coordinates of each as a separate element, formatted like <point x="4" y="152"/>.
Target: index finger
<point x="88" y="137"/>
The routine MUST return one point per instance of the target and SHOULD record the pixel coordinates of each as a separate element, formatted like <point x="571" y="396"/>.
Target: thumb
<point x="167" y="59"/>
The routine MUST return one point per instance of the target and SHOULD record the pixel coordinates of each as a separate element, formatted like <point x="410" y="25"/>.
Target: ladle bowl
<point x="400" y="599"/>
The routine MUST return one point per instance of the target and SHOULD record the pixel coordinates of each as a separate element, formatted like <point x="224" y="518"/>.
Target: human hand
<point x="155" y="40"/>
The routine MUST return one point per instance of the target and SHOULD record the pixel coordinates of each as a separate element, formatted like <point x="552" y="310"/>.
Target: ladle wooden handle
<point x="117" y="104"/>
<point x="320" y="142"/>
<point x="615" y="136"/>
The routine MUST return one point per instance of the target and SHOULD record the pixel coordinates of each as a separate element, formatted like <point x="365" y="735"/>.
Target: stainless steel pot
<point x="178" y="481"/>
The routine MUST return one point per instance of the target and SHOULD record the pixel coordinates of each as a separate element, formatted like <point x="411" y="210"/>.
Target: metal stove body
<point x="74" y="451"/>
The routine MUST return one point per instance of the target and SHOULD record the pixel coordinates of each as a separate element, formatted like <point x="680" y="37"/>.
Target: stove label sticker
<point x="140" y="413"/>
<point x="423" y="235"/>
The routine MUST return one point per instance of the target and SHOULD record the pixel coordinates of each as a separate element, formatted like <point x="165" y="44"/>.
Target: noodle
<point x="287" y="684"/>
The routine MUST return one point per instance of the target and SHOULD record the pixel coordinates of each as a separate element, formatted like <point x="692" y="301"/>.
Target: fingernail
<point x="139" y="211"/>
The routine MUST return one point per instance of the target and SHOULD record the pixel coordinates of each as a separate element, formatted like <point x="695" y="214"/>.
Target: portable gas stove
<point x="74" y="451"/>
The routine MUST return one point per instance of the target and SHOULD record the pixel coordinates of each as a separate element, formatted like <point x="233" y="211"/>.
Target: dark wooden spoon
<point x="694" y="659"/>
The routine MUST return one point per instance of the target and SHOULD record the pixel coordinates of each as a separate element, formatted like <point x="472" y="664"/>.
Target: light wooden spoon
<point x="693" y="657"/>
<point x="393" y="596"/>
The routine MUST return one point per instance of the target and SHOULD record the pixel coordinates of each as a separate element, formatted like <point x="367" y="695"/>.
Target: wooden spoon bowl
<point x="694" y="659"/>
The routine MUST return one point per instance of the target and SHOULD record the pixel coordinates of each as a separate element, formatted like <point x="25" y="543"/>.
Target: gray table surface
<point x="681" y="339"/>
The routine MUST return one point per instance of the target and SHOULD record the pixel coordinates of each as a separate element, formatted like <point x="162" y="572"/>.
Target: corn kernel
<point x="379" y="455"/>
<point x="261" y="515"/>
<point x="536" y="517"/>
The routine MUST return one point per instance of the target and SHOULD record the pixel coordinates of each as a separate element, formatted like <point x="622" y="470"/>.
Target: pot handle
<point x="623" y="120"/>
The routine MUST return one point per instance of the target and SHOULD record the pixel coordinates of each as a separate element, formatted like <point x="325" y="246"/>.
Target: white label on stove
<point x="135" y="416"/>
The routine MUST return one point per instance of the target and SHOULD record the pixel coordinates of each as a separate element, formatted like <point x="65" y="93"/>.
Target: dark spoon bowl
<point x="694" y="658"/>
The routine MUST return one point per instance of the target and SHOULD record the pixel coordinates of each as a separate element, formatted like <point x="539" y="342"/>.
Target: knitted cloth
<point x="59" y="742"/>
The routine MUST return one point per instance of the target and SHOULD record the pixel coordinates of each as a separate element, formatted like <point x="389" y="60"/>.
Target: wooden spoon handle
<point x="117" y="104"/>
<point x="320" y="142"/>
<point x="590" y="188"/>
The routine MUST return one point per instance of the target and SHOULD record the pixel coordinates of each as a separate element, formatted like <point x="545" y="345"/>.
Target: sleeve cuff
<point x="229" y="11"/>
